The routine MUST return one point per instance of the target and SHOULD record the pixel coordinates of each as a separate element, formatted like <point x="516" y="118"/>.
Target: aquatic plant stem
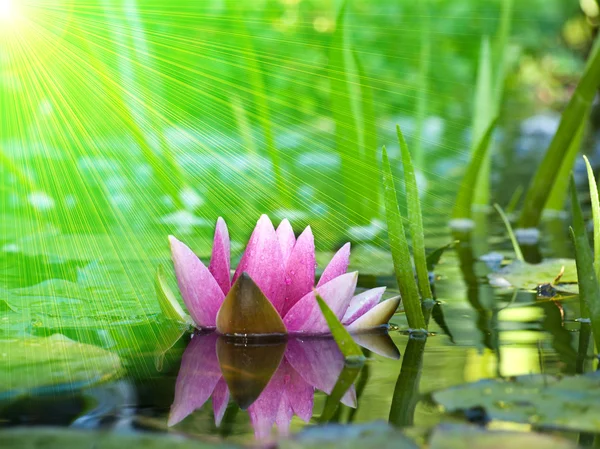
<point x="415" y="219"/>
<point x="406" y="391"/>
<point x="572" y="117"/>
<point x="511" y="234"/>
<point x="400" y="252"/>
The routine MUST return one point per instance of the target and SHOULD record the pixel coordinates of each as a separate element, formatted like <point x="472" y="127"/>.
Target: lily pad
<point x="457" y="436"/>
<point x="46" y="365"/>
<point x="379" y="435"/>
<point x="571" y="403"/>
<point x="527" y="276"/>
<point x="104" y="247"/>
<point x="49" y="438"/>
<point x="58" y="304"/>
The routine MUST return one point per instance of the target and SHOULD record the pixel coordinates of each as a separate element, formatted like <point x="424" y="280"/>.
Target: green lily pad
<point x="45" y="365"/>
<point x="49" y="438"/>
<point x="526" y="276"/>
<point x="379" y="435"/>
<point x="571" y="403"/>
<point x="104" y="247"/>
<point x="58" y="304"/>
<point x="457" y="436"/>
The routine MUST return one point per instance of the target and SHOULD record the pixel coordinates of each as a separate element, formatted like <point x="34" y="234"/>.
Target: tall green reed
<point x="570" y="123"/>
<point x="409" y="289"/>
<point x="589" y="289"/>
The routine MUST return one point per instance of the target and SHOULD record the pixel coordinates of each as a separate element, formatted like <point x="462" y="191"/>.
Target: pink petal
<point x="199" y="289"/>
<point x="300" y="270"/>
<point x="219" y="261"/>
<point x="287" y="239"/>
<point x="337" y="266"/>
<point x="306" y="316"/>
<point x="376" y="317"/>
<point x="197" y="378"/>
<point x="264" y="411"/>
<point x="220" y="399"/>
<point x="362" y="303"/>
<point x="349" y="397"/>
<point x="300" y="394"/>
<point x="263" y="261"/>
<point x="319" y="362"/>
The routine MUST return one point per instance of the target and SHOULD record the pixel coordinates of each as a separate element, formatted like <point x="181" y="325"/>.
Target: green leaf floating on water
<point x="458" y="436"/>
<point x="527" y="276"/>
<point x="50" y="438"/>
<point x="571" y="403"/>
<point x="34" y="365"/>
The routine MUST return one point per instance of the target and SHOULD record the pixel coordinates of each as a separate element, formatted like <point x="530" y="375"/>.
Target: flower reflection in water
<point x="273" y="382"/>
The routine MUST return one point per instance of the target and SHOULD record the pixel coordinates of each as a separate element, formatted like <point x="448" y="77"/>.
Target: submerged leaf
<point x="247" y="311"/>
<point x="571" y="403"/>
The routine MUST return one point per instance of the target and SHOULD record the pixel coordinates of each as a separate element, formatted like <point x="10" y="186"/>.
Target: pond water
<point x="156" y="376"/>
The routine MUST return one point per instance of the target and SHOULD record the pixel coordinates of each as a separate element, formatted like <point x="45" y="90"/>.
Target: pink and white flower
<point x="283" y="267"/>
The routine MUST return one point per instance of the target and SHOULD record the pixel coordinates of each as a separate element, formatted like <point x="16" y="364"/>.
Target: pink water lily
<point x="273" y="382"/>
<point x="281" y="270"/>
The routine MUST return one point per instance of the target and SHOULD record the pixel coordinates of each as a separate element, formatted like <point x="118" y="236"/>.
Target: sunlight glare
<point x="7" y="10"/>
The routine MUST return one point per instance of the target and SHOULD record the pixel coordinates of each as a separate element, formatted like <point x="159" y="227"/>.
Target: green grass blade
<point x="464" y="200"/>
<point x="511" y="234"/>
<point x="369" y="127"/>
<point x="346" y="130"/>
<point x="484" y="112"/>
<point x="260" y="97"/>
<point x="352" y="352"/>
<point x="589" y="289"/>
<point x="595" y="214"/>
<point x="560" y="189"/>
<point x="500" y="53"/>
<point x="400" y="252"/>
<point x="422" y="83"/>
<point x="415" y="219"/>
<point x="573" y="115"/>
<point x="166" y="299"/>
<point x="514" y="199"/>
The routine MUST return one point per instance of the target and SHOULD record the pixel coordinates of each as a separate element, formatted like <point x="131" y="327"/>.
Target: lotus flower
<point x="272" y="382"/>
<point x="273" y="289"/>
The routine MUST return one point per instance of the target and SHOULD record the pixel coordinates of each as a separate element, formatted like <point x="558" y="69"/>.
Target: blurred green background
<point x="123" y="122"/>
